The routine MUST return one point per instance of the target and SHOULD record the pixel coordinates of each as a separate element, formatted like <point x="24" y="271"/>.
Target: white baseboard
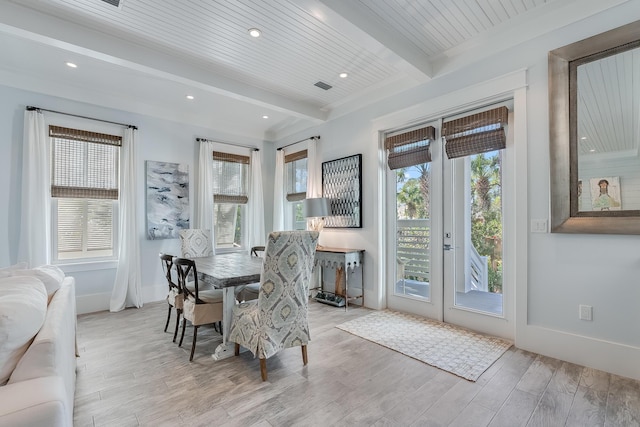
<point x="100" y="302"/>
<point x="598" y="354"/>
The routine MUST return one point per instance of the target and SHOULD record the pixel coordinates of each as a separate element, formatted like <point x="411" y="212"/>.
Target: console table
<point x="342" y="260"/>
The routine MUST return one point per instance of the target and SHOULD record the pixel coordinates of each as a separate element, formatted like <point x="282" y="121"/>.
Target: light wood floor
<point x="130" y="374"/>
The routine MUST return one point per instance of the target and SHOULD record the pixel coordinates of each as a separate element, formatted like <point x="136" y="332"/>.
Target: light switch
<point x="538" y="225"/>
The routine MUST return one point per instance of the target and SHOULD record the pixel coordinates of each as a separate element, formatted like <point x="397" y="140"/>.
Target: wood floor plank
<point x="516" y="411"/>
<point x="130" y="373"/>
<point x="623" y="402"/>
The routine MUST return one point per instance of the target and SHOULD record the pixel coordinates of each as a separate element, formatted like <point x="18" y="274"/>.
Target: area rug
<point x="451" y="348"/>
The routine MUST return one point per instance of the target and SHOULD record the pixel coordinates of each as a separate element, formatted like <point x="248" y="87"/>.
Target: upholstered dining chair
<point x="278" y="319"/>
<point x="195" y="243"/>
<point x="174" y="296"/>
<point x="200" y="306"/>
<point x="250" y="292"/>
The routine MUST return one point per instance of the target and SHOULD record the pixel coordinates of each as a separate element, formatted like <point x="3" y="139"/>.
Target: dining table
<point x="227" y="271"/>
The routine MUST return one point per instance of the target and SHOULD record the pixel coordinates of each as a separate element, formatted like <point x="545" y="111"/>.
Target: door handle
<point x="447" y="247"/>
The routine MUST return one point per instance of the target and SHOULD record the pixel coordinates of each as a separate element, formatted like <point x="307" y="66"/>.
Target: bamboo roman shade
<point x="409" y="148"/>
<point x="296" y="175"/>
<point x="230" y="172"/>
<point x="477" y="133"/>
<point x="84" y="164"/>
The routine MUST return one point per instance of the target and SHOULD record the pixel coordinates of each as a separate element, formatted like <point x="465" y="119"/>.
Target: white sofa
<point x="41" y="388"/>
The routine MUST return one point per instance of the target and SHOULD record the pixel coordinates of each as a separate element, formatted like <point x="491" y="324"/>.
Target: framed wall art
<point x="167" y="199"/>
<point x="342" y="185"/>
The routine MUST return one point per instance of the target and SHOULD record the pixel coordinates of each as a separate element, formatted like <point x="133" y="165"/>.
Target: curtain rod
<point x="293" y="143"/>
<point x="228" y="143"/>
<point x="30" y="108"/>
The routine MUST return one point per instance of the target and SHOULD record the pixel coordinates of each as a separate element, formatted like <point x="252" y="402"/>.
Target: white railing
<point x="413" y="262"/>
<point x="412" y="250"/>
<point x="477" y="270"/>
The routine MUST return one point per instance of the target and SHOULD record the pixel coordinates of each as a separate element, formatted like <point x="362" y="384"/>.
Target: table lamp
<point x="315" y="210"/>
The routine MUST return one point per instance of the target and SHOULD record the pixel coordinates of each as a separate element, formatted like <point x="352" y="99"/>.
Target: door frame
<point x="512" y="85"/>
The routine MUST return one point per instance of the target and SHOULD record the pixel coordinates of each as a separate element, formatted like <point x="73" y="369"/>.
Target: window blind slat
<point x="82" y="167"/>
<point x="409" y="148"/>
<point x="70" y="220"/>
<point x="230" y="182"/>
<point x="99" y="225"/>
<point x="476" y="133"/>
<point x="295" y="156"/>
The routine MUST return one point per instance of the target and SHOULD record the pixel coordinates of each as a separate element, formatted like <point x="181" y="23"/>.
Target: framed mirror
<point x="594" y="132"/>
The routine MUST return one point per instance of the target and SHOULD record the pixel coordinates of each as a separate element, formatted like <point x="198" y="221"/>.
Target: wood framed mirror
<point x="594" y="132"/>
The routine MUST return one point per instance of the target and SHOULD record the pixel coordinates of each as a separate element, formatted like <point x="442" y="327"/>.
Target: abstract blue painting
<point x="167" y="199"/>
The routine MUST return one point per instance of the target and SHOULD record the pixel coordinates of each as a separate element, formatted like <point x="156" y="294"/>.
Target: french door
<point x="445" y="228"/>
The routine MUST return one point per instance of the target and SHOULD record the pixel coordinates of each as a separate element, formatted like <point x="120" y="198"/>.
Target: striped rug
<point x="457" y="350"/>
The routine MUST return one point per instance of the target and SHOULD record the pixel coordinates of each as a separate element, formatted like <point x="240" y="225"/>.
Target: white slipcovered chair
<point x="195" y="243"/>
<point x="278" y="319"/>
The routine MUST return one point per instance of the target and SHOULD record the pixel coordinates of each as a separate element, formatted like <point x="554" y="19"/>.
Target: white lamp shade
<point x="316" y="207"/>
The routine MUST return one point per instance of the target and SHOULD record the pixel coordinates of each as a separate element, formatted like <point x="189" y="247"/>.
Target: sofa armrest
<point x="36" y="402"/>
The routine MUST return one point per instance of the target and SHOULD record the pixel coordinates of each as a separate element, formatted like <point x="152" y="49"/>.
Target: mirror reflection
<point x="608" y="132"/>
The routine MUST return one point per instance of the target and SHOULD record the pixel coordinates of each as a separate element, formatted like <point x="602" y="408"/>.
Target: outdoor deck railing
<point x="412" y="251"/>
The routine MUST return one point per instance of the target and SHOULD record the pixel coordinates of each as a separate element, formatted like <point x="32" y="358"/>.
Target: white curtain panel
<point x="127" y="289"/>
<point x="278" y="193"/>
<point x="314" y="180"/>
<point x="256" y="202"/>
<point x="33" y="245"/>
<point x="203" y="217"/>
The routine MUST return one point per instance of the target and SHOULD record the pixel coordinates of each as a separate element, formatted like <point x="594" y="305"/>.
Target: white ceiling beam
<point x="348" y="14"/>
<point x="55" y="32"/>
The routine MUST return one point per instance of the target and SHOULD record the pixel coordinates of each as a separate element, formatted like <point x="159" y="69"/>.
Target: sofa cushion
<point x="23" y="307"/>
<point x="7" y="271"/>
<point x="50" y="275"/>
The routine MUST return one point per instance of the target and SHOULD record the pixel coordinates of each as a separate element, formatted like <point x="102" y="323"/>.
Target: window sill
<point x="73" y="267"/>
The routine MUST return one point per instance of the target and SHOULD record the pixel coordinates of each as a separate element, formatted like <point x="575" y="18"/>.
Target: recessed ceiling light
<point x="71" y="65"/>
<point x="254" y="32"/>
<point x="190" y="96"/>
<point x="592" y="150"/>
<point x="343" y="75"/>
<point x="584" y="138"/>
<point x="265" y="117"/>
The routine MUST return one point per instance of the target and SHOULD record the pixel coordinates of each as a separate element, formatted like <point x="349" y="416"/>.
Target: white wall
<point x="159" y="140"/>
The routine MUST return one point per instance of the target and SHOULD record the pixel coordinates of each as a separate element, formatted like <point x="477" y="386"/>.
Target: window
<point x="230" y="197"/>
<point x="296" y="187"/>
<point x="84" y="188"/>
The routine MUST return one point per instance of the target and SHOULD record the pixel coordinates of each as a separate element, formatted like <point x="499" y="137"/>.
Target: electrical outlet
<point x="585" y="312"/>
<point x="538" y="225"/>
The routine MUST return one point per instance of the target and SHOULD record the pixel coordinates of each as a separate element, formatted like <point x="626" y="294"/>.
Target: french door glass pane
<point x="413" y="231"/>
<point x="481" y="288"/>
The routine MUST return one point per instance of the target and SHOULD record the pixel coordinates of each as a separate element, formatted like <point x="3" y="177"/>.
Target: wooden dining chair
<point x="278" y="319"/>
<point x="200" y="306"/>
<point x="174" y="295"/>
<point x="250" y="292"/>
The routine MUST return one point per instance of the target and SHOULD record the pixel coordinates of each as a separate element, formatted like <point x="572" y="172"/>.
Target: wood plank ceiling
<point x="385" y="46"/>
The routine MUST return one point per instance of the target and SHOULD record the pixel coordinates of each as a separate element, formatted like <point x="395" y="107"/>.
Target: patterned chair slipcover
<point x="196" y="243"/>
<point x="278" y="319"/>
